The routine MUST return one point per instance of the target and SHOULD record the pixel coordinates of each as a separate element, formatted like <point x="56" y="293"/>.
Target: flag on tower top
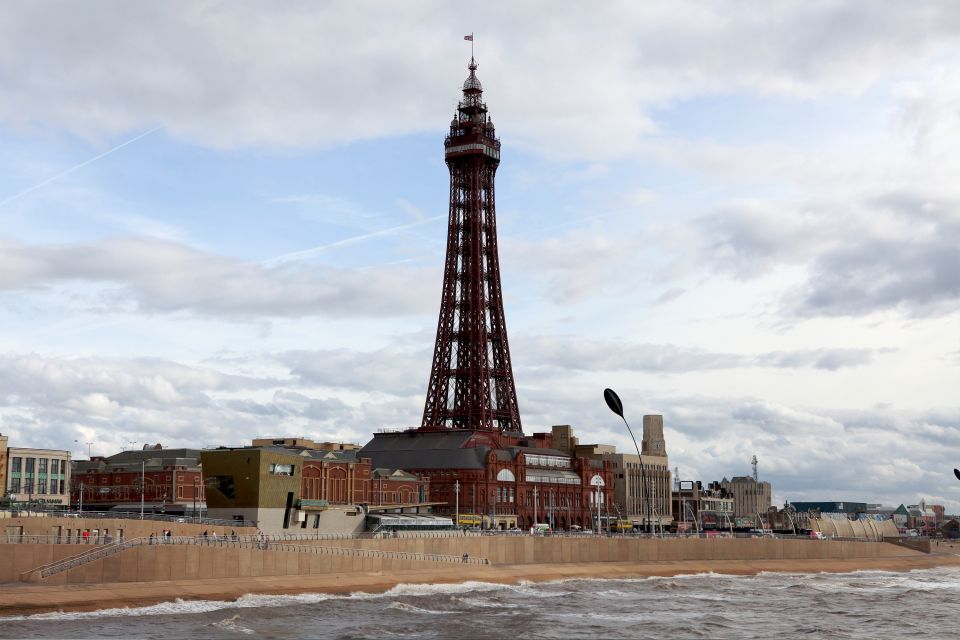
<point x="469" y="37"/>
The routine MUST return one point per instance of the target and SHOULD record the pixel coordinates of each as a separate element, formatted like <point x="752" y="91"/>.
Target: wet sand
<point x="25" y="598"/>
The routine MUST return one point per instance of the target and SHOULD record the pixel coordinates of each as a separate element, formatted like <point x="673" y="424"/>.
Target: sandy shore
<point x="24" y="598"/>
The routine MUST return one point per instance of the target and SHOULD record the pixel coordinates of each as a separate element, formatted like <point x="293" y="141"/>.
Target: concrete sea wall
<point x="185" y="562"/>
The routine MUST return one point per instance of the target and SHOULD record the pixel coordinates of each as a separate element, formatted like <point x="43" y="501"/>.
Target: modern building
<point x="161" y="480"/>
<point x="34" y="478"/>
<point x="299" y="486"/>
<point x="752" y="498"/>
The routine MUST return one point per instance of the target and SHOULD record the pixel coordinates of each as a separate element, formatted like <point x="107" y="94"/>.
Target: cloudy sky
<point x="222" y="220"/>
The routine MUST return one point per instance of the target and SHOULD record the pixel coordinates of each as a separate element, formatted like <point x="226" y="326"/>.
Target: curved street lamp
<point x="613" y="401"/>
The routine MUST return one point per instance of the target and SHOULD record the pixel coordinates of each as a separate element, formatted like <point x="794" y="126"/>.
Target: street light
<point x="456" y="490"/>
<point x="613" y="401"/>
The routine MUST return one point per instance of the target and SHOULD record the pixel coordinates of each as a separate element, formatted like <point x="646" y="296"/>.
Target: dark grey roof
<point x="413" y="450"/>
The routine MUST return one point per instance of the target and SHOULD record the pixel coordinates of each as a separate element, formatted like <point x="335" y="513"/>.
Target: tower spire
<point x="471" y="379"/>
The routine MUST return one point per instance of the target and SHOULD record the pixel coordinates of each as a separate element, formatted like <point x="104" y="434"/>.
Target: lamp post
<point x="456" y="491"/>
<point x="194" y="496"/>
<point x="143" y="484"/>
<point x="613" y="401"/>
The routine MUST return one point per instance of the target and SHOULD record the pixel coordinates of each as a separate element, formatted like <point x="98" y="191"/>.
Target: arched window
<point x="506" y="475"/>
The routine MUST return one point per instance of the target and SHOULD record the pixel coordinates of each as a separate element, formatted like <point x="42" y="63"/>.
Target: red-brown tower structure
<point x="471" y="379"/>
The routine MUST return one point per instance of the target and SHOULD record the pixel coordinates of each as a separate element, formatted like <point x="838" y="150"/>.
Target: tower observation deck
<point x="471" y="379"/>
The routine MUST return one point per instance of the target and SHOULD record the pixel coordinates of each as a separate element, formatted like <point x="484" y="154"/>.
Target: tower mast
<point x="471" y="378"/>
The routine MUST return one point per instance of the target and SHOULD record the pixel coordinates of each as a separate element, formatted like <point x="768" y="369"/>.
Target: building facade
<point x="642" y="483"/>
<point x="751" y="498"/>
<point x="501" y="480"/>
<point x="35" y="478"/>
<point x="699" y="508"/>
<point x="162" y="480"/>
<point x="299" y="486"/>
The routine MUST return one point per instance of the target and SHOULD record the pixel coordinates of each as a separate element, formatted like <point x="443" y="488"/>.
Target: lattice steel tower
<point x="471" y="380"/>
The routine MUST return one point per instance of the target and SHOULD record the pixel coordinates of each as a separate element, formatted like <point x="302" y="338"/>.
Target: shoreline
<point x="29" y="599"/>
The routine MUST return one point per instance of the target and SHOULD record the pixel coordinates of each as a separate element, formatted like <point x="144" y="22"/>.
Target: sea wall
<point x="184" y="562"/>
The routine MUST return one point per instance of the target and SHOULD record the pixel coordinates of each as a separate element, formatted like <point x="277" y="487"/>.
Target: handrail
<point x="101" y="551"/>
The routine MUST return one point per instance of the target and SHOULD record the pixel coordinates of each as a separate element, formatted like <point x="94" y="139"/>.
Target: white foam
<point x="231" y="624"/>
<point x="409" y="608"/>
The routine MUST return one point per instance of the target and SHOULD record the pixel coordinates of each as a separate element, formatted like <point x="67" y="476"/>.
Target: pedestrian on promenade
<point x="214" y="536"/>
<point x="107" y="539"/>
<point x="86" y="536"/>
<point x="204" y="534"/>
<point x="466" y="557"/>
<point x="151" y="537"/>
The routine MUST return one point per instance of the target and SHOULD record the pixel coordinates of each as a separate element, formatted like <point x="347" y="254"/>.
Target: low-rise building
<point x="34" y="478"/>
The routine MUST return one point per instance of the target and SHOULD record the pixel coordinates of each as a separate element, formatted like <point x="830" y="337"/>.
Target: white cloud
<point x="155" y="276"/>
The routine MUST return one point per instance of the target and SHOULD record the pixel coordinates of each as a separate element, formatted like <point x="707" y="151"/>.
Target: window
<point x="281" y="469"/>
<point x="14" y="485"/>
<point x="42" y="470"/>
<point x="54" y="467"/>
<point x="53" y="485"/>
<point x="30" y="465"/>
<point x="16" y="465"/>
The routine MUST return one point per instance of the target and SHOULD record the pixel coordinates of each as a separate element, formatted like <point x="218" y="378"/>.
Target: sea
<point x="862" y="604"/>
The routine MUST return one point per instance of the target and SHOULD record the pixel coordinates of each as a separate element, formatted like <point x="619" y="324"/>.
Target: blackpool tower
<point x="471" y="379"/>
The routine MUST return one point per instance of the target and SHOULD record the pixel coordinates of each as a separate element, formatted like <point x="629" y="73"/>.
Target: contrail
<point x="306" y="253"/>
<point x="74" y="168"/>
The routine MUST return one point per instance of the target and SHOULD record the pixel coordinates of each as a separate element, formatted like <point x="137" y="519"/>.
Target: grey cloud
<point x="155" y="276"/>
<point x="382" y="370"/>
<point x="320" y="74"/>
<point x="552" y="353"/>
<point x="894" y="252"/>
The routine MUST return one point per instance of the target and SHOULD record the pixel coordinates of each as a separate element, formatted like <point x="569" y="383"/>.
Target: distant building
<point x="304" y="443"/>
<point x="163" y="480"/>
<point x="751" y="498"/>
<point x="699" y="508"/>
<point x="34" y="478"/>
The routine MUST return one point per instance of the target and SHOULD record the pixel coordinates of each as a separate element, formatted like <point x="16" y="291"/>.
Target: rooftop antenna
<point x="753" y="463"/>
